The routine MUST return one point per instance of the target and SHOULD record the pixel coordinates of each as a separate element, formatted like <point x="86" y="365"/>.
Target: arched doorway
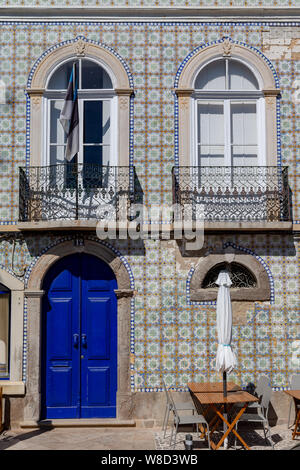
<point x="79" y="339"/>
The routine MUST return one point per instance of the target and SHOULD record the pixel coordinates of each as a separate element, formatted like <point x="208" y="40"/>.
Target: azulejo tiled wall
<point x="176" y="337"/>
<point x="170" y="334"/>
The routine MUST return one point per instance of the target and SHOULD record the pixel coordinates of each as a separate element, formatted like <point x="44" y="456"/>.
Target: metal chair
<point x="262" y="384"/>
<point x="261" y="416"/>
<point x="181" y="406"/>
<point x="187" y="420"/>
<point x="294" y="385"/>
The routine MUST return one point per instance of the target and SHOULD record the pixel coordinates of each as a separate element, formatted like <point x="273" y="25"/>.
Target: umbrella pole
<point x="225" y="406"/>
<point x="224" y="384"/>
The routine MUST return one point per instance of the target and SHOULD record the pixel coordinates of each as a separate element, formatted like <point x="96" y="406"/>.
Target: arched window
<point x="228" y="115"/>
<point x="250" y="280"/>
<point x="240" y="276"/>
<point x="96" y="110"/>
<point x="4" y="330"/>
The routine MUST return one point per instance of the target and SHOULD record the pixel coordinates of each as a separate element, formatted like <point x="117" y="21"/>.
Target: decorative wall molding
<point x="116" y="12"/>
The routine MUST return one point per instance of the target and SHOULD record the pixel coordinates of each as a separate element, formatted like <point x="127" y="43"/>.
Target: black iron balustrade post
<point x="76" y="169"/>
<point x="286" y="196"/>
<point x="22" y="195"/>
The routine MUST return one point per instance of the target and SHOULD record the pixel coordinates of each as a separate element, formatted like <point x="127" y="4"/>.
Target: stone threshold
<point x="78" y="423"/>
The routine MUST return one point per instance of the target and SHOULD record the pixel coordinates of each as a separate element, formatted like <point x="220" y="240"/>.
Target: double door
<point x="80" y="339"/>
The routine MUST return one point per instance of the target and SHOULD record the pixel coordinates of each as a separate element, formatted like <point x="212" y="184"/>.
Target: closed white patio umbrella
<point x="225" y="359"/>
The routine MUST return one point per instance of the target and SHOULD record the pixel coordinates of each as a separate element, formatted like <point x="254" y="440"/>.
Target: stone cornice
<point x="35" y="91"/>
<point x="140" y="13"/>
<point x="36" y="293"/>
<point x="124" y="91"/>
<point x="271" y="92"/>
<point x="184" y="91"/>
<point x="120" y="293"/>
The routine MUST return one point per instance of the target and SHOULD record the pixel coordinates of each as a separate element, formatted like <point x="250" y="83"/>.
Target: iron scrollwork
<point x="232" y="193"/>
<point x="74" y="191"/>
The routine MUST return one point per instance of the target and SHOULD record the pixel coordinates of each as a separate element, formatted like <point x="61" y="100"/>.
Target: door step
<point x="79" y="423"/>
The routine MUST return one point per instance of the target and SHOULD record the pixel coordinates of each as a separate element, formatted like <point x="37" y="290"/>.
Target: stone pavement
<point x="254" y="437"/>
<point x="127" y="439"/>
<point x="78" y="439"/>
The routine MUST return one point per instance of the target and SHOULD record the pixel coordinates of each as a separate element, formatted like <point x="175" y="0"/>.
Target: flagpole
<point x="76" y="156"/>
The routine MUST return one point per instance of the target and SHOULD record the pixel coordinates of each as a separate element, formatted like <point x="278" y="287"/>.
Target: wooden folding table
<point x="202" y="387"/>
<point x="296" y="395"/>
<point x="216" y="402"/>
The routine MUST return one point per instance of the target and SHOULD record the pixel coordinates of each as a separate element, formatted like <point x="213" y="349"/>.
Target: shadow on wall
<point x="284" y="247"/>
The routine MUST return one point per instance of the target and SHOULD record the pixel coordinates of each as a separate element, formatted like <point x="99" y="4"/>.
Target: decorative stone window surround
<point x="185" y="90"/>
<point x="121" y="85"/>
<point x="261" y="292"/>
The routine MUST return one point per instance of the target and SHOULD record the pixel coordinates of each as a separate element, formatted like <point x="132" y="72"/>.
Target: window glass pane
<point x="61" y="77"/>
<point x="4" y="334"/>
<point x="244" y="133"/>
<point x="93" y="154"/>
<point x="96" y="154"/>
<point x="57" y="133"/>
<point x="210" y="133"/>
<point x="212" y="77"/>
<point x="95" y="158"/>
<point x="57" y="154"/>
<point x="96" y="122"/>
<point x="241" y="77"/>
<point x="94" y="76"/>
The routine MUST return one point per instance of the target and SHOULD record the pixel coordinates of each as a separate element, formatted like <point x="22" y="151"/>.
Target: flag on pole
<point x="69" y="117"/>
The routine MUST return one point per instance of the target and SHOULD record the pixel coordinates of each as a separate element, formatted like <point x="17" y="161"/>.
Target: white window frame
<point x="92" y="95"/>
<point x="86" y="94"/>
<point x="226" y="96"/>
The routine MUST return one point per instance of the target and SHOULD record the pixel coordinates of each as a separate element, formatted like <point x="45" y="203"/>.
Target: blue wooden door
<point x="80" y="339"/>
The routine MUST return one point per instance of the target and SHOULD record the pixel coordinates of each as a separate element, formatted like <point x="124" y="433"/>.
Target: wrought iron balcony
<point x="74" y="192"/>
<point x="232" y="194"/>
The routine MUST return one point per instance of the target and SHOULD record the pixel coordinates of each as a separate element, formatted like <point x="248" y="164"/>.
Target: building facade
<point x="188" y="106"/>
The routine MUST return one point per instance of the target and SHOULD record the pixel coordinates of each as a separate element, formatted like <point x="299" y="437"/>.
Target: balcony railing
<point x="232" y="193"/>
<point x="74" y="192"/>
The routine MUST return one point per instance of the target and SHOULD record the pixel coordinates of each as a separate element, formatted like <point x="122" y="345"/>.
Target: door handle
<point x="83" y="340"/>
<point x="75" y="340"/>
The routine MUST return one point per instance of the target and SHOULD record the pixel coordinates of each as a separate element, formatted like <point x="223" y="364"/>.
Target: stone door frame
<point x="34" y="294"/>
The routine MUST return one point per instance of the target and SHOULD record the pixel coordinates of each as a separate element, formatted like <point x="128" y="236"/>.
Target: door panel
<point x="98" y="328"/>
<point x="80" y="339"/>
<point x="98" y="396"/>
<point x="99" y="362"/>
<point x="60" y="330"/>
<point x="61" y="320"/>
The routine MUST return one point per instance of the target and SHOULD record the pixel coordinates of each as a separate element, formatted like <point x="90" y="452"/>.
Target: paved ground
<point x="126" y="439"/>
<point x="79" y="439"/>
<point x="254" y="437"/>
